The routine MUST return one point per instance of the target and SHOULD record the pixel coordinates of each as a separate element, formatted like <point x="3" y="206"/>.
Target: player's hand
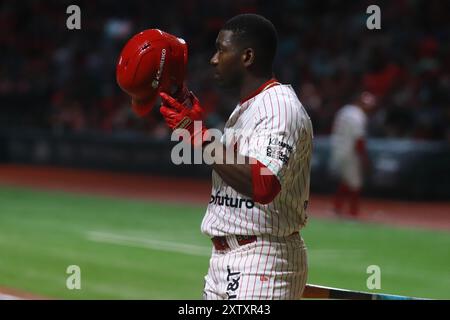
<point x="179" y="116"/>
<point x="184" y="96"/>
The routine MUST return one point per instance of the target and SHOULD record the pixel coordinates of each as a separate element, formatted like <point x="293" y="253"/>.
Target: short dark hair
<point x="255" y="31"/>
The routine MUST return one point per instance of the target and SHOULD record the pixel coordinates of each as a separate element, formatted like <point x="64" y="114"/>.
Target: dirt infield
<point x="13" y="294"/>
<point x="433" y="215"/>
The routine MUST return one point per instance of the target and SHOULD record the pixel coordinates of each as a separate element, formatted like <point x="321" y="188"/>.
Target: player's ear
<point x="248" y="57"/>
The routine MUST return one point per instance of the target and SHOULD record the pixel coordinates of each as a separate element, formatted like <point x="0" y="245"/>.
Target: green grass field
<point x="144" y="250"/>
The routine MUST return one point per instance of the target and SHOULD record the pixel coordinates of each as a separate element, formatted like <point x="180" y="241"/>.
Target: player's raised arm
<point x="248" y="176"/>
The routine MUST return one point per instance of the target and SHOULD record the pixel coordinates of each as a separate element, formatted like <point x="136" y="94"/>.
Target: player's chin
<point x="220" y="81"/>
<point x="223" y="83"/>
<point x="217" y="78"/>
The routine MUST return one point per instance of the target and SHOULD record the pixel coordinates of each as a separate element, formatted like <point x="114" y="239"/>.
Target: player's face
<point x="227" y="61"/>
<point x="368" y="102"/>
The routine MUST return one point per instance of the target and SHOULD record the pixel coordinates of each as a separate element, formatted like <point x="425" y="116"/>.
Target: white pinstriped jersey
<point x="349" y="125"/>
<point x="277" y="131"/>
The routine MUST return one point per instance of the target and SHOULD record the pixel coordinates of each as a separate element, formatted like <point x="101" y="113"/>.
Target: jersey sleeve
<point x="278" y="127"/>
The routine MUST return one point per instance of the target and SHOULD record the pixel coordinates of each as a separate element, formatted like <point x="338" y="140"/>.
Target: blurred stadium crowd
<point x="64" y="80"/>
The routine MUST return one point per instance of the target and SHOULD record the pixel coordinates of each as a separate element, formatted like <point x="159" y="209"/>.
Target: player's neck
<point x="251" y="84"/>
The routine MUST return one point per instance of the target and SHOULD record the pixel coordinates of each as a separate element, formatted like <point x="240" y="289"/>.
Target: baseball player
<point x="348" y="151"/>
<point x="257" y="208"/>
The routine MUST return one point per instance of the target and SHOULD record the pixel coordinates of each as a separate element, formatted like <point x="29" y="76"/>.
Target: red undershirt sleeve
<point x="265" y="186"/>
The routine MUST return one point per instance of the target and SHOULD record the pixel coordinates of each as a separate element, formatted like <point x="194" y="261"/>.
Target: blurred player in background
<point x="257" y="208"/>
<point x="349" y="158"/>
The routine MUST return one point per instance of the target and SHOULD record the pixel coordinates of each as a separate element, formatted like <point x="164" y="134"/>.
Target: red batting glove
<point x="179" y="116"/>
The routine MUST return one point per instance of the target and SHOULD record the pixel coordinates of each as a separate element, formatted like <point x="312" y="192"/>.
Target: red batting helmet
<point x="151" y="61"/>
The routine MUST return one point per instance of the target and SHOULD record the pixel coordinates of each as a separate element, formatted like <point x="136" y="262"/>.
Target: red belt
<point x="220" y="243"/>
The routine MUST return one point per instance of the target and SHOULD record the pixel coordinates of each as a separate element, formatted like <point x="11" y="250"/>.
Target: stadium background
<point x="83" y="181"/>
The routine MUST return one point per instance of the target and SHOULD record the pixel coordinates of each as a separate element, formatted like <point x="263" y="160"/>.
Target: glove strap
<point x="184" y="123"/>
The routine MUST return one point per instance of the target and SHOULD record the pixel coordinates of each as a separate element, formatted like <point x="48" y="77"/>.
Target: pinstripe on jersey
<point x="274" y="128"/>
